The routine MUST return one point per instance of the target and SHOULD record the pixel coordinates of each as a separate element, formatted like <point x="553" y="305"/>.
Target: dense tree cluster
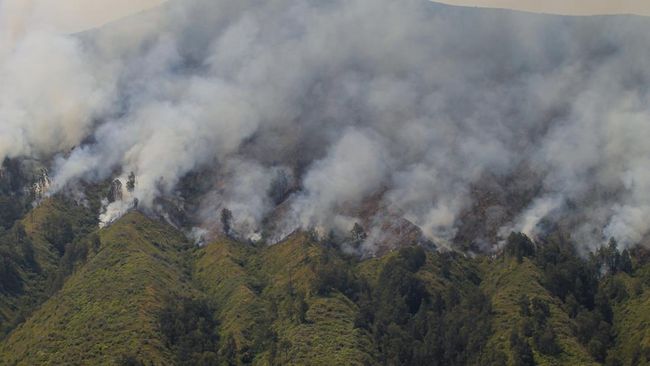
<point x="10" y="211"/>
<point x="587" y="287"/>
<point x="578" y="282"/>
<point x="190" y="331"/>
<point x="13" y="196"/>
<point x="75" y="253"/>
<point x="332" y="273"/>
<point x="535" y="325"/>
<point x="522" y="354"/>
<point x="16" y="249"/>
<point x="57" y="230"/>
<point x="413" y="326"/>
<point x="16" y="256"/>
<point x="519" y="246"/>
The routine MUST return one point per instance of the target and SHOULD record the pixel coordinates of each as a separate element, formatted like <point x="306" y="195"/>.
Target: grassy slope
<point x="328" y="336"/>
<point x="46" y="255"/>
<point x="632" y="325"/>
<point x="505" y="281"/>
<point x="632" y="320"/>
<point x="14" y="307"/>
<point x="251" y="287"/>
<point x="245" y="281"/>
<point x="219" y="271"/>
<point x="108" y="307"/>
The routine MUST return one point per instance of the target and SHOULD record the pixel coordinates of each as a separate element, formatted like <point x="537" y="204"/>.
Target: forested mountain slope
<point x="110" y="306"/>
<point x="137" y="292"/>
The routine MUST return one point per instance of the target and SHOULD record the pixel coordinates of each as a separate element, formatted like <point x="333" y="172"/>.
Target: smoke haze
<point x="297" y="114"/>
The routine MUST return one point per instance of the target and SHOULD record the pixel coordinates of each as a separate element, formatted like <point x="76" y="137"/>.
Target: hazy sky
<point x="65" y="15"/>
<point x="76" y="15"/>
<point x="574" y="7"/>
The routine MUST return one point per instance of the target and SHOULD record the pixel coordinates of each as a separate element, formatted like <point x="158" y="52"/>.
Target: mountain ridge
<point x="302" y="301"/>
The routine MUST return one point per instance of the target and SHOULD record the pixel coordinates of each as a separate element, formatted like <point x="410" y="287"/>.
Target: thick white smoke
<point x="51" y="88"/>
<point x="355" y="167"/>
<point x="49" y="96"/>
<point x="304" y="113"/>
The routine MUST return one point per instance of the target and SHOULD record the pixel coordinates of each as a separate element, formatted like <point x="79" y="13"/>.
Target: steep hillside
<point x="304" y="302"/>
<point x="108" y="308"/>
<point x="137" y="292"/>
<point x="313" y="325"/>
<point x="219" y="270"/>
<point x="506" y="281"/>
<point x="32" y="251"/>
<point x="632" y="319"/>
<point x="269" y="309"/>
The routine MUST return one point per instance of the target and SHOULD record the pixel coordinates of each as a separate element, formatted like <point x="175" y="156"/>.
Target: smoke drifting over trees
<point x="299" y="112"/>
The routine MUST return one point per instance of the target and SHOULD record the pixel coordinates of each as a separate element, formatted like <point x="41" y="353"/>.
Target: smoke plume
<point x="301" y="114"/>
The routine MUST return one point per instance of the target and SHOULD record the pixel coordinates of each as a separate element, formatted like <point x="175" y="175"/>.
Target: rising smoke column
<point x="410" y="103"/>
